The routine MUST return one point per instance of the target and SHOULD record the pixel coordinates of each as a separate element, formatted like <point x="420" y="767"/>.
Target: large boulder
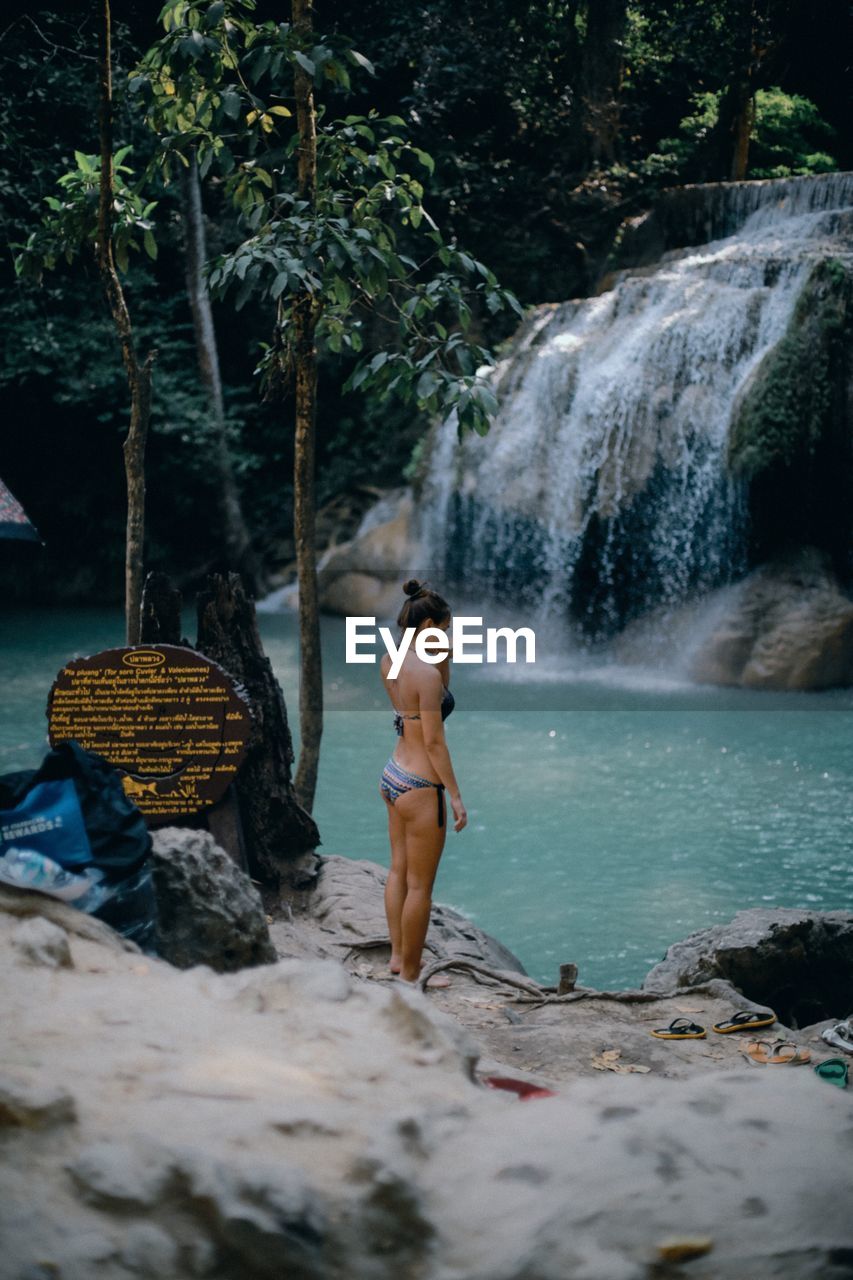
<point x="209" y="912"/>
<point x="290" y="1120"/>
<point x="346" y="910"/>
<point x="788" y="625"/>
<point x="799" y="963"/>
<point x="364" y="576"/>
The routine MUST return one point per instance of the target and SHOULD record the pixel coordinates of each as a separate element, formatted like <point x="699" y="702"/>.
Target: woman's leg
<point x="424" y="844"/>
<point x="395" y="883"/>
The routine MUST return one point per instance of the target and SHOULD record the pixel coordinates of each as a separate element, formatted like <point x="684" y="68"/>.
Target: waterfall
<point x="602" y="489"/>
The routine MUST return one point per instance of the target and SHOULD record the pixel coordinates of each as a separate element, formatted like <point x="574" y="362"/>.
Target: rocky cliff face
<point x="699" y="212"/>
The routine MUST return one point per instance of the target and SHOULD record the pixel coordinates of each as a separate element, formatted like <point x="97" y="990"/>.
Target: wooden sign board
<point x="170" y="719"/>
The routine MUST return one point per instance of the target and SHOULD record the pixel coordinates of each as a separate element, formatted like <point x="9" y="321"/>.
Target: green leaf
<point x="279" y="284"/>
<point x="231" y="104"/>
<point x="342" y="291"/>
<point x="150" y="244"/>
<point x="486" y="398"/>
<point x="358" y="59"/>
<point x="425" y="159"/>
<point x="426" y="385"/>
<point x="244" y="295"/>
<point x="305" y="63"/>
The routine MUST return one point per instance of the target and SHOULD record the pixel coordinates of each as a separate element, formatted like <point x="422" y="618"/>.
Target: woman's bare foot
<point x="437" y="979"/>
<point x="395" y="966"/>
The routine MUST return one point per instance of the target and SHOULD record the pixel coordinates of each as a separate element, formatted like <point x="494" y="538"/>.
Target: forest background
<point x="549" y="123"/>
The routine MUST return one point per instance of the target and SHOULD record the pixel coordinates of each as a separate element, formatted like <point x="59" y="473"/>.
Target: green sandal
<point x="835" y="1070"/>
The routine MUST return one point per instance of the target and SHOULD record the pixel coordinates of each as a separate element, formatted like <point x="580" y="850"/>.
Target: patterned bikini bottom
<point x="396" y="780"/>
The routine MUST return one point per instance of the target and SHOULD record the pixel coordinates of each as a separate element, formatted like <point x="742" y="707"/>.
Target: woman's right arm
<point x="430" y="694"/>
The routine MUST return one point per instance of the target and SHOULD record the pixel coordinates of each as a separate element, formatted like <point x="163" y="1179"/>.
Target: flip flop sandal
<point x="745" y="1020"/>
<point x="779" y="1054"/>
<point x="680" y="1029"/>
<point x="788" y="1054"/>
<point x="835" y="1070"/>
<point x="759" y="1052"/>
<point x="840" y="1036"/>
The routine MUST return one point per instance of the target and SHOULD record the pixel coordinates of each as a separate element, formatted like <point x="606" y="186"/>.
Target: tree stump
<point x="276" y="829"/>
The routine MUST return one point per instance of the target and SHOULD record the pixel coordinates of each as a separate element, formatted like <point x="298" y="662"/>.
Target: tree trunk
<point x="138" y="375"/>
<point x="161" y="611"/>
<point x="305" y="322"/>
<point x="601" y="78"/>
<point x="757" y="40"/>
<point x="238" y="546"/>
<point x="742" y="129"/>
<point x="279" y="834"/>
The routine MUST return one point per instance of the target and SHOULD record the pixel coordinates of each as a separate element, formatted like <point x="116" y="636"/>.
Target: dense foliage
<point x="525" y="131"/>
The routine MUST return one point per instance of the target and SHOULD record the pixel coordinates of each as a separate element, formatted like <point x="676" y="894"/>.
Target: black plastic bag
<point x="118" y="837"/>
<point x="118" y="840"/>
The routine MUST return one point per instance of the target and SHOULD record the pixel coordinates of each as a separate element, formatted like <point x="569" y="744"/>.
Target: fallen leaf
<point x="608" y="1060"/>
<point x="683" y="1248"/>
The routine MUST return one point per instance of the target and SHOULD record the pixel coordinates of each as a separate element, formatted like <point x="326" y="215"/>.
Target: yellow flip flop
<point x="680" y="1029"/>
<point x="744" y="1020"/>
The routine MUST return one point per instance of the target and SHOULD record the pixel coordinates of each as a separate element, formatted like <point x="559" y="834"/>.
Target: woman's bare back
<point x="418" y="683"/>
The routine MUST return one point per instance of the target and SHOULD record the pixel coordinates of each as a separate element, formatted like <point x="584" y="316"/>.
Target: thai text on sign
<point x="170" y="719"/>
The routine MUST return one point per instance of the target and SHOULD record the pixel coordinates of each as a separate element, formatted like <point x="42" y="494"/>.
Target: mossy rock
<point x="795" y="400"/>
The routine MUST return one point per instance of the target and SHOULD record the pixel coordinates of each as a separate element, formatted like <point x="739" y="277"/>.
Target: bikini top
<point x="448" y="702"/>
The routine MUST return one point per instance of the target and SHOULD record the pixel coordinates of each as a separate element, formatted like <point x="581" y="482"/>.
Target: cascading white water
<point x="602" y="482"/>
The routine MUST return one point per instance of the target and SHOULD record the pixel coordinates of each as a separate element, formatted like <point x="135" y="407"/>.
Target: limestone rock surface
<point x="293" y="1120"/>
<point x="346" y="909"/>
<point x="799" y="963"/>
<point x="364" y="576"/>
<point x="39" y="941"/>
<point x="209" y="912"/>
<point x="788" y="625"/>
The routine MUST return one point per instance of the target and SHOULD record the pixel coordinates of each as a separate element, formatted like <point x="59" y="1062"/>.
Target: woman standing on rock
<point x="414" y="780"/>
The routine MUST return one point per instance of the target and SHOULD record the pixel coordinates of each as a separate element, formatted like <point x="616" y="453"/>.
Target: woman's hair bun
<point x="412" y="587"/>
